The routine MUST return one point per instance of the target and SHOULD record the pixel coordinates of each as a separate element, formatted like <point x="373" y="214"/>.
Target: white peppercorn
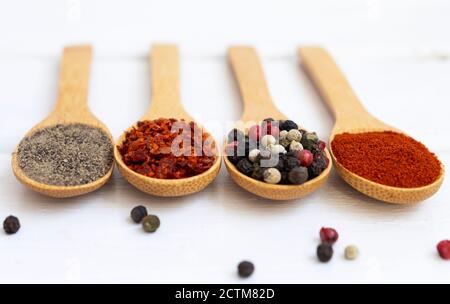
<point x="272" y="176"/>
<point x="351" y="253"/>
<point x="295" y="146"/>
<point x="268" y="140"/>
<point x="283" y="134"/>
<point x="294" y="135"/>
<point x="254" y="154"/>
<point x="277" y="149"/>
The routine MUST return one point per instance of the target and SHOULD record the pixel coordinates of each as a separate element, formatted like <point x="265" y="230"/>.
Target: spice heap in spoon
<point x="387" y="158"/>
<point x="66" y="155"/>
<point x="277" y="152"/>
<point x="168" y="149"/>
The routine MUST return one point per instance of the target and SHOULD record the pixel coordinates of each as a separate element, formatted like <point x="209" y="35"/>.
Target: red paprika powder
<point x="387" y="158"/>
<point x="168" y="149"/>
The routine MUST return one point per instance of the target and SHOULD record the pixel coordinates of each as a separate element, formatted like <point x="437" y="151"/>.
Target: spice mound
<point x="277" y="152"/>
<point x="168" y="149"/>
<point x="387" y="158"/>
<point x="66" y="155"/>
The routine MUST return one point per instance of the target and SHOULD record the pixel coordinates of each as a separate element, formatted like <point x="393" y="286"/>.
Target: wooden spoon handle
<point x="74" y="83"/>
<point x="249" y="73"/>
<point x="165" y="69"/>
<point x="332" y="84"/>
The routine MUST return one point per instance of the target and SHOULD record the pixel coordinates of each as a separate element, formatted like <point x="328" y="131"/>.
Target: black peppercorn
<point x="288" y="125"/>
<point x="325" y="253"/>
<point x="258" y="172"/>
<point x="11" y="225"/>
<point x="246" y="269"/>
<point x="245" y="167"/>
<point x="299" y="175"/>
<point x="318" y="166"/>
<point x="235" y="159"/>
<point x="291" y="163"/>
<point x="236" y="135"/>
<point x="138" y="213"/>
<point x="284" y="178"/>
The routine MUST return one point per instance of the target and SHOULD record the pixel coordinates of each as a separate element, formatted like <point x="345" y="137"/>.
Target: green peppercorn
<point x="151" y="223"/>
<point x="138" y="213"/>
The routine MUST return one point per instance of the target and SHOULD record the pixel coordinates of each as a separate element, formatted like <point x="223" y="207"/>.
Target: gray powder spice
<point x="66" y="155"/>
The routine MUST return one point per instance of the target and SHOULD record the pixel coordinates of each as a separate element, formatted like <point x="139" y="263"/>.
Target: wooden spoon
<point x="258" y="106"/>
<point x="352" y="117"/>
<point x="71" y="108"/>
<point x="166" y="103"/>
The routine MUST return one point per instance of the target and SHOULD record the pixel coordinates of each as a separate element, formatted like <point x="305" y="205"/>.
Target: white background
<point x="396" y="55"/>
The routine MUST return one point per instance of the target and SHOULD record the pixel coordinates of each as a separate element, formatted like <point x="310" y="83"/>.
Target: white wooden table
<point x="395" y="53"/>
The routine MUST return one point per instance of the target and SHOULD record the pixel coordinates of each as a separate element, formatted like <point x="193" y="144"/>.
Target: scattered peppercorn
<point x="444" y="249"/>
<point x="138" y="213"/>
<point x="246" y="269"/>
<point x="325" y="253"/>
<point x="11" y="225"/>
<point x="329" y="235"/>
<point x="351" y="253"/>
<point x="151" y="223"/>
<point x="277" y="145"/>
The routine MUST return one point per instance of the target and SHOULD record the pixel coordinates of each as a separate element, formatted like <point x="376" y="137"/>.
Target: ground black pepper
<point x="66" y="155"/>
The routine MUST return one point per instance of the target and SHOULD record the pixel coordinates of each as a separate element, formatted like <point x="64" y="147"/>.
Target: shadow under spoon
<point x="352" y="117"/>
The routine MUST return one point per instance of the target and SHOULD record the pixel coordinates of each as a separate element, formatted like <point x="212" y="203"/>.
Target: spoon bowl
<point x="71" y="108"/>
<point x="165" y="104"/>
<point x="352" y="117"/>
<point x="258" y="106"/>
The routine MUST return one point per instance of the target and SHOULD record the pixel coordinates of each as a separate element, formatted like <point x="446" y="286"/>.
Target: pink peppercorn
<point x="322" y="145"/>
<point x="329" y="235"/>
<point x="254" y="133"/>
<point x="269" y="128"/>
<point x="305" y="157"/>
<point x="444" y="249"/>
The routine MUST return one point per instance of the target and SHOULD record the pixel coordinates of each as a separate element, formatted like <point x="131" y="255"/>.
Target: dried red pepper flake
<point x="168" y="149"/>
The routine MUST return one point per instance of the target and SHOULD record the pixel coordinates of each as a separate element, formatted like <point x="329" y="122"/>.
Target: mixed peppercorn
<point x="277" y="152"/>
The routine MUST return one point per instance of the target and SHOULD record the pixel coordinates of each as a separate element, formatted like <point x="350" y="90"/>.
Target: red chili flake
<point x="168" y="149"/>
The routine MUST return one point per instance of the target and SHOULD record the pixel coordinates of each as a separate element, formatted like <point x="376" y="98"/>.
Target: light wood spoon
<point x="258" y="105"/>
<point x="166" y="103"/>
<point x="71" y="108"/>
<point x="352" y="117"/>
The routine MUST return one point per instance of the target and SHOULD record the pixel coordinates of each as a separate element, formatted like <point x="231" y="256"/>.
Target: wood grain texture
<point x="352" y="117"/>
<point x="71" y="108"/>
<point x="258" y="105"/>
<point x="166" y="103"/>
